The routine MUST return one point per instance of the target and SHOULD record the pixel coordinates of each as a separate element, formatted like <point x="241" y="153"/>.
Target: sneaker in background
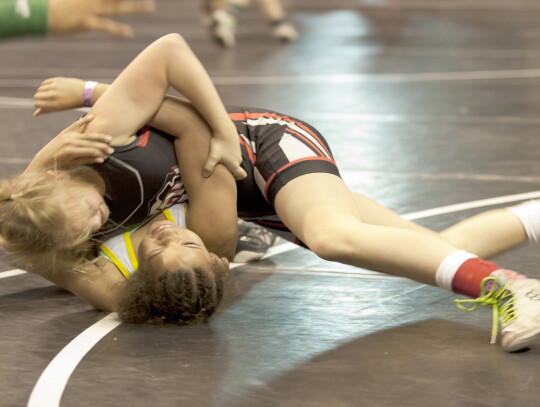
<point x="285" y="31"/>
<point x="224" y="28"/>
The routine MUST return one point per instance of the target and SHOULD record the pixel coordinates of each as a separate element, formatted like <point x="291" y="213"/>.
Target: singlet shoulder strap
<point x="169" y="215"/>
<point x="115" y="260"/>
<point x="129" y="247"/>
<point x="131" y="252"/>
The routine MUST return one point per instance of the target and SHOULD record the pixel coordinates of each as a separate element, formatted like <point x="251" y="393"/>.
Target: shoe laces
<point x="500" y="298"/>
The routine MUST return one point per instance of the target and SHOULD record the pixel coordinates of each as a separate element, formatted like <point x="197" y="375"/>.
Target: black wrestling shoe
<point x="253" y="242"/>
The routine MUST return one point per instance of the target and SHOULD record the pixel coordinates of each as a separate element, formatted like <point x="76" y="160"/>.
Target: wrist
<point x="89" y="87"/>
<point x="224" y="129"/>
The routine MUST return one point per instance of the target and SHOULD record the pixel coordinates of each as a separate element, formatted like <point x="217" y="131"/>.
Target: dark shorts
<point x="276" y="149"/>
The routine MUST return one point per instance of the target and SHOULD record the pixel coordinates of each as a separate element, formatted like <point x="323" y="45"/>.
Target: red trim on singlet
<point x="237" y="116"/>
<point x="145" y="134"/>
<point x="248" y="149"/>
<point x="306" y="140"/>
<point x="315" y="136"/>
<point x="269" y="181"/>
<point x="248" y="115"/>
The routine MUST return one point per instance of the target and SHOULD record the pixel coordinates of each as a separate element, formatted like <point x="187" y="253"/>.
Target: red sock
<point x="470" y="274"/>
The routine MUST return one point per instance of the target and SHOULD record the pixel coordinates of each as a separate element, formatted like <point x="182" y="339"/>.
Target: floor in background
<point x="425" y="103"/>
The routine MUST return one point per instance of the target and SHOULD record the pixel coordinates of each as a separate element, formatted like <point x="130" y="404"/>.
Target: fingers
<point x="79" y="125"/>
<point x="45" y="89"/>
<point x="104" y="139"/>
<point x="44" y="98"/>
<point x="44" y="94"/>
<point x="85" y="119"/>
<point x="95" y="141"/>
<point x="109" y="26"/>
<point x="209" y="166"/>
<point x="83" y="122"/>
<point x="83" y="156"/>
<point x="46" y="83"/>
<point x="41" y="107"/>
<point x="239" y="173"/>
<point x="118" y="7"/>
<point x="235" y="169"/>
<point x="80" y="148"/>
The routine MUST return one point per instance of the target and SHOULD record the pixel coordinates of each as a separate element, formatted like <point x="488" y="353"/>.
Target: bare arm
<point x="72" y="148"/>
<point x="212" y="207"/>
<point x="136" y="95"/>
<point x="212" y="212"/>
<point x="99" y="283"/>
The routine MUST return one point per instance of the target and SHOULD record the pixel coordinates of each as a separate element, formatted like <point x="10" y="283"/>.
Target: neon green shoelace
<point x="500" y="299"/>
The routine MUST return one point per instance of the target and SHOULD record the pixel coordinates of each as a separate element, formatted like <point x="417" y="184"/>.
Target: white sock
<point x="449" y="267"/>
<point x="529" y="215"/>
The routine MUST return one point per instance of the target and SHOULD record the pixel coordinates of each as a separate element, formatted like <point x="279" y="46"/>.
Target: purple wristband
<point x="87" y="95"/>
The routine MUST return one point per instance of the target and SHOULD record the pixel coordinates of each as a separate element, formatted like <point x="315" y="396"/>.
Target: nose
<point x="167" y="235"/>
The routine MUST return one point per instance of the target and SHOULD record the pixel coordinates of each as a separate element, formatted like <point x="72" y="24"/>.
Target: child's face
<point x="86" y="210"/>
<point x="167" y="247"/>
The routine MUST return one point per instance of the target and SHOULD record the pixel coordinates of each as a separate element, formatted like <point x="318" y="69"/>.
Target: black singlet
<point x="142" y="178"/>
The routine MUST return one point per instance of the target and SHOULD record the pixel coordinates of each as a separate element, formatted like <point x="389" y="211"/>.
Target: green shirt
<point x="23" y="17"/>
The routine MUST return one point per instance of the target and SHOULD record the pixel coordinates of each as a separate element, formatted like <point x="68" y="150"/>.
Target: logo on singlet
<point x="172" y="192"/>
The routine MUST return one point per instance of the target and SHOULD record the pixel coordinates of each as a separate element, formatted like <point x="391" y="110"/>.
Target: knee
<point x="328" y="245"/>
<point x="171" y="41"/>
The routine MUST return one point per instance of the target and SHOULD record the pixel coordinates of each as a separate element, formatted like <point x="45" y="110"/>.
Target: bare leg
<point x="324" y="214"/>
<point x="486" y="235"/>
<point x="376" y="214"/>
<point x="282" y="29"/>
<point x="272" y="9"/>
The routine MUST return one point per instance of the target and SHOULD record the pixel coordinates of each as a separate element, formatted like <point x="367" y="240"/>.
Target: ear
<point x="58" y="174"/>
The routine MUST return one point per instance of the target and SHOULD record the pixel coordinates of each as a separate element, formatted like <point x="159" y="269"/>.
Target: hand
<point x="72" y="148"/>
<point x="71" y="16"/>
<point x="55" y="94"/>
<point x="225" y="151"/>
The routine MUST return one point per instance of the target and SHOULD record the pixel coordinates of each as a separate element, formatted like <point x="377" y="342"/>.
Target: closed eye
<point x="192" y="245"/>
<point x="155" y="253"/>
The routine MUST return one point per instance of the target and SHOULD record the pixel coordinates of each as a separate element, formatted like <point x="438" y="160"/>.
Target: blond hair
<point x="33" y="221"/>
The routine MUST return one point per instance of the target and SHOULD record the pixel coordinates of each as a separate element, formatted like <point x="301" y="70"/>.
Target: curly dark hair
<point x="186" y="296"/>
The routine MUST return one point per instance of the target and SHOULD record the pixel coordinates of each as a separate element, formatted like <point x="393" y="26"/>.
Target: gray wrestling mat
<point x="425" y="103"/>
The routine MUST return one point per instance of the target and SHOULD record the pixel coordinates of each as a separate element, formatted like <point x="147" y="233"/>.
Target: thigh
<point x="314" y="202"/>
<point x="376" y="214"/>
<point x="322" y="200"/>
